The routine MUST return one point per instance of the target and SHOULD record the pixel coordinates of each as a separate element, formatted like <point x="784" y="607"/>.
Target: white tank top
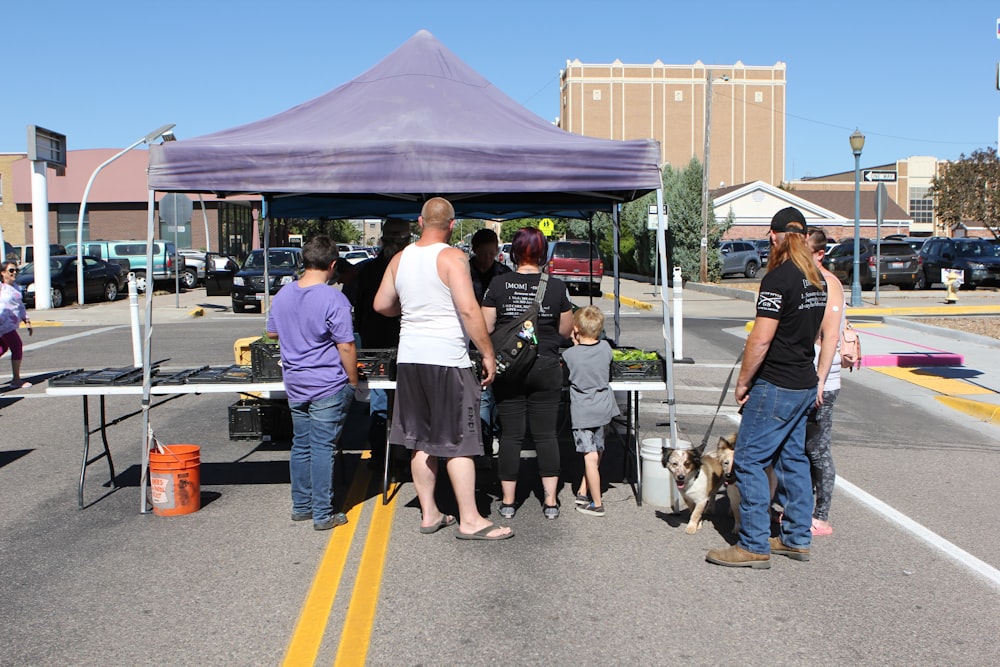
<point x="833" y="379"/>
<point x="430" y="331"/>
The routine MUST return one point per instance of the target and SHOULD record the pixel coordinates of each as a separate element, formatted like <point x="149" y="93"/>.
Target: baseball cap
<point x="779" y="223"/>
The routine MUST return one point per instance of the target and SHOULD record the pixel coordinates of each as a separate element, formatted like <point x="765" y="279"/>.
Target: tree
<point x="969" y="190"/>
<point x="464" y="229"/>
<point x="682" y="193"/>
<point x="341" y="231"/>
<point x="510" y="227"/>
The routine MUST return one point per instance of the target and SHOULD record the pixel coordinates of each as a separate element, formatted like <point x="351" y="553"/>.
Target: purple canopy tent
<point x="419" y="123"/>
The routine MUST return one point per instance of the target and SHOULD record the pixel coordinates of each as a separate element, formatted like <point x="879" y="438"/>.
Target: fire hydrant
<point x="951" y="282"/>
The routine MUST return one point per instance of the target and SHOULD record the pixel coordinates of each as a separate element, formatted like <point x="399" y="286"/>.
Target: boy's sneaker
<point x="582" y="499"/>
<point x="338" y="519"/>
<point x="591" y="509"/>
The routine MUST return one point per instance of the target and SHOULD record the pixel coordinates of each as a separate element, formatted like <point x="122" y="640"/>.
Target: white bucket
<point x="658" y="487"/>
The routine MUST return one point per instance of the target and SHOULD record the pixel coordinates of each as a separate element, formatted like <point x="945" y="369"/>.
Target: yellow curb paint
<point x="924" y="377"/>
<point x="356" y="635"/>
<point x="311" y="626"/>
<point x="629" y="301"/>
<point x="986" y="412"/>
<point x="924" y="310"/>
<point x="867" y="325"/>
<point x="42" y="323"/>
<point x="197" y="312"/>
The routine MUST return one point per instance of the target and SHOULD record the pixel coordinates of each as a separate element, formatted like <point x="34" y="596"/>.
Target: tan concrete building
<point x="10" y="221"/>
<point x="670" y="103"/>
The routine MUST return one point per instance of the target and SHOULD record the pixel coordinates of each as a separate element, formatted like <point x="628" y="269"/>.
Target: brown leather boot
<point x="778" y="547"/>
<point x="737" y="556"/>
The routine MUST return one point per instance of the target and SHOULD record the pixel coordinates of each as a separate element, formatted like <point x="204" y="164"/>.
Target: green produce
<point x="633" y="355"/>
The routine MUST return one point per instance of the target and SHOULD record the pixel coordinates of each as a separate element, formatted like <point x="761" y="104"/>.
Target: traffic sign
<point x="546" y="226"/>
<point x="881" y="202"/>
<point x="883" y="175"/>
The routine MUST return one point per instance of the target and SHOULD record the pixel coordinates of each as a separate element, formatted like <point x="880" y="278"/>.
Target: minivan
<point x="131" y="255"/>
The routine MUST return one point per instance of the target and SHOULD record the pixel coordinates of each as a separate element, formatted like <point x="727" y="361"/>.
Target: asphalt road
<point x="237" y="583"/>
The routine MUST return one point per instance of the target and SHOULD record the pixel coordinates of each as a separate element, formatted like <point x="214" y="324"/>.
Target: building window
<point x="1" y="189"/>
<point x="921" y="206"/>
<point x="67" y="216"/>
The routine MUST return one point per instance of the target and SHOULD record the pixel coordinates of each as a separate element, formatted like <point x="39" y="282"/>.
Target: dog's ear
<point x="665" y="456"/>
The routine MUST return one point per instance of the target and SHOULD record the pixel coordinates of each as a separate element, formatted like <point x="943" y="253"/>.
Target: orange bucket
<point x="175" y="479"/>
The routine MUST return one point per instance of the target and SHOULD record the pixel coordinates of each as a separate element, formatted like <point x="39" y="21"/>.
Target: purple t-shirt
<point x="310" y="322"/>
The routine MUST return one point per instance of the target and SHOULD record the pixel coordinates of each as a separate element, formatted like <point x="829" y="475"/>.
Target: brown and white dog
<point x="697" y="477"/>
<point x="724" y="452"/>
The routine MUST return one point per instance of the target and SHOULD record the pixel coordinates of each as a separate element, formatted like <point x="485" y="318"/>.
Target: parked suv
<point x="131" y="256"/>
<point x="898" y="263"/>
<point x="739" y="257"/>
<point x="763" y="249"/>
<point x="284" y="266"/>
<point x="977" y="258"/>
<point x="576" y="263"/>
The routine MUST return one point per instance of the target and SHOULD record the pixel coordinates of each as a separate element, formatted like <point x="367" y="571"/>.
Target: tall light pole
<point x="857" y="143"/>
<point x="703" y="274"/>
<point x="705" y="174"/>
<point x="152" y="136"/>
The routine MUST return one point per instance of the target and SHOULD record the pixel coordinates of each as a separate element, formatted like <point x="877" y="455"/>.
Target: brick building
<point x="670" y="103"/>
<point x="117" y="205"/>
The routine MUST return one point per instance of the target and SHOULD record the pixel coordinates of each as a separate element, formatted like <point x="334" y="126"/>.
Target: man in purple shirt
<point x="312" y="320"/>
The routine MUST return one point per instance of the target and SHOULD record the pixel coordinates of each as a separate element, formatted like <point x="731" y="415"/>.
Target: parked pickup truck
<point x="131" y="255"/>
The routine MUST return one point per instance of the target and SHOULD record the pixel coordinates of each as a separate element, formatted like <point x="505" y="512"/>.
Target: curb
<point x="629" y="301"/>
<point x="964" y="336"/>
<point x="986" y="412"/>
<point x="731" y="292"/>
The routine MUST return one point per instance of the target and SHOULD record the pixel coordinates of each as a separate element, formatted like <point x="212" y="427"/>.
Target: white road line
<point x="63" y="339"/>
<point x="985" y="570"/>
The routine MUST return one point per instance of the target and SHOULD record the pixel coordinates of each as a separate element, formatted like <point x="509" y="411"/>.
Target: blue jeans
<point x="773" y="432"/>
<point x="379" y="403"/>
<point x="316" y="426"/>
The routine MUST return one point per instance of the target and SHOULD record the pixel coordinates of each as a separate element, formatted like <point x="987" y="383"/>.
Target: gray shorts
<point x="589" y="439"/>
<point x="437" y="410"/>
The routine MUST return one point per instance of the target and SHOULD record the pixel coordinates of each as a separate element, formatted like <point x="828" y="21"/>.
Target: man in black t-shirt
<point x="483" y="266"/>
<point x="777" y="386"/>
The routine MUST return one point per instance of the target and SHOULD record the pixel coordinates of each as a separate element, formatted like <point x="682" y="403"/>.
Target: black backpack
<point x="515" y="343"/>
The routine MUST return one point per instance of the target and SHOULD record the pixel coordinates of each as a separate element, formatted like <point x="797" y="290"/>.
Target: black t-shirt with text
<point x="798" y="305"/>
<point x="512" y="293"/>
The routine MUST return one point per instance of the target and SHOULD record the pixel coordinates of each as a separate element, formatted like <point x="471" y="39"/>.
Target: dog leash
<point x="722" y="398"/>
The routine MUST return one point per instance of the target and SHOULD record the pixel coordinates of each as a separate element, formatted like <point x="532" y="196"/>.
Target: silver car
<point x="739" y="257"/>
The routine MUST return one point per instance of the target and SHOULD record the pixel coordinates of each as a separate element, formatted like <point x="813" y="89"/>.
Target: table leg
<point x="634" y="406"/>
<point x="86" y="447"/>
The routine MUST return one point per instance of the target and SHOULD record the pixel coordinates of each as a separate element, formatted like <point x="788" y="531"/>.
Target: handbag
<point x="515" y="343"/>
<point x="850" y="348"/>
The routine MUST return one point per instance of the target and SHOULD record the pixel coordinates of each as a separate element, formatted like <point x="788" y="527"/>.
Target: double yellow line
<point x="356" y="633"/>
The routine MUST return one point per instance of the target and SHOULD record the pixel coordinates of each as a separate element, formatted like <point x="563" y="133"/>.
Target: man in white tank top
<point x="436" y="411"/>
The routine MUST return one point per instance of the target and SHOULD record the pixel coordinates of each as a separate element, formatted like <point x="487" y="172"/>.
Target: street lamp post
<point x="703" y="272"/>
<point x="857" y="143"/>
<point x="152" y="136"/>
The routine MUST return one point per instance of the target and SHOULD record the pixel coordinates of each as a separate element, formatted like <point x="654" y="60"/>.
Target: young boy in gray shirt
<point x="592" y="403"/>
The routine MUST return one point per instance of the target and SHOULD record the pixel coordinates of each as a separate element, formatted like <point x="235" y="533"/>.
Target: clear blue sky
<point x="918" y="78"/>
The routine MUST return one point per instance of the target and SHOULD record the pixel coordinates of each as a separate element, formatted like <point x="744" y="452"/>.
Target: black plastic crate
<point x="377" y="363"/>
<point x="649" y="370"/>
<point x="265" y="361"/>
<point x="259" y="419"/>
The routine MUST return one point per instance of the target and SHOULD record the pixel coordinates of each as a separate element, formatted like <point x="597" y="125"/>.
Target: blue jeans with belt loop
<point x="316" y="426"/>
<point x="773" y="432"/>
